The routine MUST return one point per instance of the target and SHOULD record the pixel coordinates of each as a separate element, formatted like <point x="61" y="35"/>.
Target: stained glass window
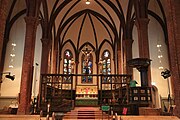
<point x="106" y="67"/>
<point x="67" y="62"/>
<point x="87" y="67"/>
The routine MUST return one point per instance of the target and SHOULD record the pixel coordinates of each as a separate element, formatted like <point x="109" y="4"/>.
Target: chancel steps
<point x="89" y="113"/>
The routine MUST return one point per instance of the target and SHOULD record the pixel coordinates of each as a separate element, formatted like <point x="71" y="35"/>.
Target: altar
<point x="86" y="95"/>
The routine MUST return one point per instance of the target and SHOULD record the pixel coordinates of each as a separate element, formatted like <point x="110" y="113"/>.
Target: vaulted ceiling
<point x="106" y="20"/>
<point x="78" y="24"/>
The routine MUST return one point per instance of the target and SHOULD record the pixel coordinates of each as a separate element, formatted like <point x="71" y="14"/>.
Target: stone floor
<point x="82" y="109"/>
<point x="20" y="117"/>
<point x="30" y="117"/>
<point x="37" y="117"/>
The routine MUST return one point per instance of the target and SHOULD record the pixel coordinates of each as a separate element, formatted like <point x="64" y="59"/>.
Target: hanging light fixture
<point x="87" y="2"/>
<point x="12" y="55"/>
<point x="160" y="56"/>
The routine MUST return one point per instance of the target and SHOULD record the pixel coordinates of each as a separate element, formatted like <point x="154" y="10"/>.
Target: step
<point x="85" y="117"/>
<point x="86" y="113"/>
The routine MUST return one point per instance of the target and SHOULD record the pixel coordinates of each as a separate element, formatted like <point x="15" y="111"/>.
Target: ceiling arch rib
<point x="66" y="30"/>
<point x="115" y="9"/>
<point x="121" y="26"/>
<point x="120" y="7"/>
<point x="18" y="15"/>
<point x="11" y="10"/>
<point x="60" y="29"/>
<point x="54" y="7"/>
<point x="106" y="41"/>
<point x="120" y="16"/>
<point x="71" y="43"/>
<point x="162" y="11"/>
<point x="162" y="24"/>
<point x="96" y="14"/>
<point x="54" y="15"/>
<point x="72" y="22"/>
<point x="107" y="13"/>
<point x="105" y="26"/>
<point x="162" y="21"/>
<point x="81" y="26"/>
<point x="129" y="22"/>
<point x="45" y="10"/>
<point x="111" y="27"/>
<point x="65" y="15"/>
<point x="94" y="30"/>
<point x="106" y="29"/>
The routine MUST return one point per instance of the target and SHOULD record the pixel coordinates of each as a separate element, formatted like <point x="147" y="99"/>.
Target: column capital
<point x="128" y="41"/>
<point x="45" y="41"/>
<point x="139" y="22"/>
<point x="31" y="20"/>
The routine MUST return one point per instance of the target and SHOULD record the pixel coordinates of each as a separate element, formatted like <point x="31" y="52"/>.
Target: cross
<point x="86" y="50"/>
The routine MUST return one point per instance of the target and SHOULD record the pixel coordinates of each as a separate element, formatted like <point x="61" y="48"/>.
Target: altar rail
<point x="57" y="88"/>
<point x="62" y="85"/>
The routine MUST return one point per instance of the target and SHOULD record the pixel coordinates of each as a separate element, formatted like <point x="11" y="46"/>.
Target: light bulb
<point x="161" y="68"/>
<point x="11" y="66"/>
<point x="14" y="44"/>
<point x="87" y="2"/>
<point x="160" y="56"/>
<point x="158" y="46"/>
<point x="12" y="55"/>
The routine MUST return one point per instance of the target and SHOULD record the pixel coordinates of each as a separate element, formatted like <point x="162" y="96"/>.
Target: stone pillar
<point x="27" y="67"/>
<point x="144" y="76"/>
<point x="4" y="7"/>
<point x="119" y="62"/>
<point x="55" y="57"/>
<point x="127" y="45"/>
<point x="45" y="55"/>
<point x="142" y="28"/>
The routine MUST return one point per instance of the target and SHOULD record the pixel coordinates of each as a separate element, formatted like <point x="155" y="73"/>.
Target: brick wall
<point x="173" y="22"/>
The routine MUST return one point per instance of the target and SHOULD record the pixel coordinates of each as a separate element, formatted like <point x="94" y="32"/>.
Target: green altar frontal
<point x="86" y="102"/>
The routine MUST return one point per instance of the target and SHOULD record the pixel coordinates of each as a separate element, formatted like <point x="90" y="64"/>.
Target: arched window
<point x="106" y="58"/>
<point x="87" y="67"/>
<point x="67" y="62"/>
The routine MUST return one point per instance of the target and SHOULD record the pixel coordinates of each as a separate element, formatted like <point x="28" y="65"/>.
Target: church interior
<point x="115" y="57"/>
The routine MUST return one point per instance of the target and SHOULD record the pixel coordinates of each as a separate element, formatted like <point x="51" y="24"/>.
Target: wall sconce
<point x="166" y="73"/>
<point x="9" y="76"/>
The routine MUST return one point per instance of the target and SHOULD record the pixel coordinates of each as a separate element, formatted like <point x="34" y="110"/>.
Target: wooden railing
<point x="54" y="88"/>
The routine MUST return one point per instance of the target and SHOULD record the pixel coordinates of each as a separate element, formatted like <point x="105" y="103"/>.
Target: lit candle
<point x="48" y="108"/>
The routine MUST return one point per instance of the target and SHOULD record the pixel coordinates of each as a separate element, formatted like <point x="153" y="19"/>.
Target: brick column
<point x="119" y="62"/>
<point x="45" y="55"/>
<point x="54" y="58"/>
<point x="4" y="6"/>
<point x="127" y="45"/>
<point x="27" y="67"/>
<point x="173" y="24"/>
<point x="142" y="28"/>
